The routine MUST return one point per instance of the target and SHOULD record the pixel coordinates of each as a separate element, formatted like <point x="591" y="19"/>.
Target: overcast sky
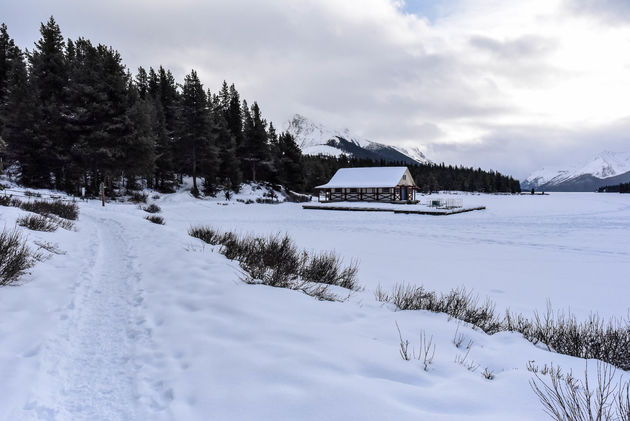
<point x="505" y="85"/>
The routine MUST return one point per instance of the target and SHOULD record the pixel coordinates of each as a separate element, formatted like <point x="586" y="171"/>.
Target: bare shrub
<point x="138" y="197"/>
<point x="66" y="210"/>
<point x="381" y="295"/>
<point x="61" y="222"/>
<point x="275" y="260"/>
<point x="205" y="234"/>
<point x="459" y="339"/>
<point x="426" y="349"/>
<point x="155" y="219"/>
<point x="623" y="401"/>
<point x="37" y="223"/>
<point x="565" y="398"/>
<point x="458" y="303"/>
<point x="5" y="200"/>
<point x="9" y="200"/>
<point x="319" y="291"/>
<point x="326" y="268"/>
<point x="487" y="374"/>
<point x="560" y="332"/>
<point x="464" y="361"/>
<point x="152" y="208"/>
<point x="405" y="354"/>
<point x="534" y="368"/>
<point x="29" y="193"/>
<point x="49" y="247"/>
<point x="15" y="257"/>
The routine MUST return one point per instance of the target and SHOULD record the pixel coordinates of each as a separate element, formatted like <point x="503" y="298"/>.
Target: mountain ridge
<point x="606" y="168"/>
<point x="314" y="139"/>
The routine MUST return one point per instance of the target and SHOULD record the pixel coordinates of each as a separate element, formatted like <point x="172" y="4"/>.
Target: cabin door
<point x="403" y="193"/>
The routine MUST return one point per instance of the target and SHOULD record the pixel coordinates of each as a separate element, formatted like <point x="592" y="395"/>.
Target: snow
<point x="309" y="134"/>
<point x="604" y="165"/>
<point x="322" y="150"/>
<point x="365" y="177"/>
<point x="313" y="137"/>
<point x="137" y="321"/>
<point x="415" y="153"/>
<point x="607" y="164"/>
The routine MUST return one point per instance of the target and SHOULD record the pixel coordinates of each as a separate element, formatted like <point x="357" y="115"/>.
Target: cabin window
<point x="353" y="190"/>
<point x="404" y="176"/>
<point x="333" y="190"/>
<point x="385" y="190"/>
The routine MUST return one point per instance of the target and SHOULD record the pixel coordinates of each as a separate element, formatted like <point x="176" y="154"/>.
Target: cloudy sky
<point x="505" y="85"/>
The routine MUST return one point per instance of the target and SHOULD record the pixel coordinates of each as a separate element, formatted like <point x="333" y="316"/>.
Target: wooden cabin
<point x="370" y="184"/>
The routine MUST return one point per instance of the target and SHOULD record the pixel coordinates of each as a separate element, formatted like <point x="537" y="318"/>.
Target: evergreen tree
<point x="49" y="78"/>
<point x="194" y="130"/>
<point x="291" y="172"/>
<point x="140" y="144"/>
<point x="255" y="147"/>
<point x="142" y="82"/>
<point x="10" y="59"/>
<point x="153" y="83"/>
<point x="234" y="117"/>
<point x="229" y="172"/>
<point x="18" y="114"/>
<point x="9" y="53"/>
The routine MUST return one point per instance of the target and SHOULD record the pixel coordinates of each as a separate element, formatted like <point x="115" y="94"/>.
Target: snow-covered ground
<point x="570" y="248"/>
<point x="137" y="321"/>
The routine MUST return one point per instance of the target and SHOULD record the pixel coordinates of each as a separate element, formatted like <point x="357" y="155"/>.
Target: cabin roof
<point x="365" y="177"/>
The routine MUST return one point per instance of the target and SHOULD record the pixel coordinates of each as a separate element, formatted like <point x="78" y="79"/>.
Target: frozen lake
<point x="570" y="248"/>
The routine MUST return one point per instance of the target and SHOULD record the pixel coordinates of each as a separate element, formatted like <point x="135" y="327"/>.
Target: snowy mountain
<point x="607" y="168"/>
<point x="314" y="139"/>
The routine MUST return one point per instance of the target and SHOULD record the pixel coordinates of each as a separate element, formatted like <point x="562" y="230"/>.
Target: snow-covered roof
<point x="365" y="177"/>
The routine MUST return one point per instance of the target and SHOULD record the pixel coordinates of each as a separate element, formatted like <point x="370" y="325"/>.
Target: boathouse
<point x="370" y="184"/>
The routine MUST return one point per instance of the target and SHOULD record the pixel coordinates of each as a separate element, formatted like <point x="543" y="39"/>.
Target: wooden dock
<point x="402" y="211"/>
<point x="448" y="212"/>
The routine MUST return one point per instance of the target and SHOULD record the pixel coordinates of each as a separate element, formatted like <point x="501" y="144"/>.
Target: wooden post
<point x="103" y="193"/>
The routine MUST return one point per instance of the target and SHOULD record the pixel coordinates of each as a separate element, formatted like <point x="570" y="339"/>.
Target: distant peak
<point x="315" y="138"/>
<point x="604" y="165"/>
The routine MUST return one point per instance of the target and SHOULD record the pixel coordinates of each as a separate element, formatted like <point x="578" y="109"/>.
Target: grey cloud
<point x="302" y="57"/>
<point x="522" y="48"/>
<point x="519" y="150"/>
<point x="611" y="11"/>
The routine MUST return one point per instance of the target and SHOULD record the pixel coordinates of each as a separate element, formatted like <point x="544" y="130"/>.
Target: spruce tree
<point x="142" y="82"/>
<point x="141" y="142"/>
<point x="9" y="53"/>
<point x="49" y="78"/>
<point x="229" y="172"/>
<point x="255" y="147"/>
<point x="18" y="115"/>
<point x="10" y="58"/>
<point x="194" y="127"/>
<point x="290" y="164"/>
<point x="234" y="117"/>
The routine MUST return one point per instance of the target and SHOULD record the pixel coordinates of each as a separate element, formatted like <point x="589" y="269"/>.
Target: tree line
<point x="72" y="116"/>
<point x="619" y="188"/>
<point x="429" y="177"/>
